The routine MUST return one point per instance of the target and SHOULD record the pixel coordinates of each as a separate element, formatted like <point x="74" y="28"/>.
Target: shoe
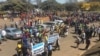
<point x="59" y="49"/>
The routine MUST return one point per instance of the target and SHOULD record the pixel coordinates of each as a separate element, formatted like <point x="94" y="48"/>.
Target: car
<point x="43" y="26"/>
<point x="46" y="25"/>
<point x="50" y="24"/>
<point x="57" y="18"/>
<point x="13" y="33"/>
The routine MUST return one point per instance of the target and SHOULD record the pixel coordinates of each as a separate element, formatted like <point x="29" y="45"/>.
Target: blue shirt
<point x="25" y="42"/>
<point x="49" y="47"/>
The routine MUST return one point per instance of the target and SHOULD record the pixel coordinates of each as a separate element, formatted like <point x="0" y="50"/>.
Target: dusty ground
<point x="8" y="48"/>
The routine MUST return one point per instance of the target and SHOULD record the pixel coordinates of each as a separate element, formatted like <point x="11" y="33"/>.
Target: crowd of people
<point x="31" y="36"/>
<point x="80" y="22"/>
<point x="41" y="35"/>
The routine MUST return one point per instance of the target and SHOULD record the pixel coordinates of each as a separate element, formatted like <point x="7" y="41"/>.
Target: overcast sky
<point x="2" y="0"/>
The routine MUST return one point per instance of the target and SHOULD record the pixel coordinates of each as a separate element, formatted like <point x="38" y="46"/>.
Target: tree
<point x="95" y="5"/>
<point x="93" y="0"/>
<point x="51" y="5"/>
<point x="71" y="7"/>
<point x="17" y="5"/>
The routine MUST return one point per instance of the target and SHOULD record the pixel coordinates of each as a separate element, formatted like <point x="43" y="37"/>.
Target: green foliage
<point x="71" y="7"/>
<point x="17" y="5"/>
<point x="51" y="5"/>
<point x="47" y="5"/>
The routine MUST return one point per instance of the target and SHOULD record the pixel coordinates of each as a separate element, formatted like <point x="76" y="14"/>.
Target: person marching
<point x="61" y="29"/>
<point x="45" y="37"/>
<point x="4" y="33"/>
<point x="40" y="36"/>
<point x="99" y="32"/>
<point x="83" y="37"/>
<point x="87" y="32"/>
<point x="49" y="49"/>
<point x="77" y="41"/>
<point x="87" y="44"/>
<point x="57" y="44"/>
<point x="66" y="30"/>
<point x="57" y="28"/>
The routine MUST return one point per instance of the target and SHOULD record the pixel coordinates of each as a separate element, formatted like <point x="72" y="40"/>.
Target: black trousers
<point x="87" y="44"/>
<point x="19" y="53"/>
<point x="94" y="33"/>
<point x="99" y="36"/>
<point x="50" y="53"/>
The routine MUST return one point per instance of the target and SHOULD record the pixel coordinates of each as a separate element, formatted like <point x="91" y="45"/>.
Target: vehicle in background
<point x="57" y="18"/>
<point x="50" y="24"/>
<point x="43" y="26"/>
<point x="13" y="33"/>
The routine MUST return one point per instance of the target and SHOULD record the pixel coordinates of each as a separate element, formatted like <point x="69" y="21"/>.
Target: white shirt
<point x="37" y="34"/>
<point x="3" y="33"/>
<point x="84" y="35"/>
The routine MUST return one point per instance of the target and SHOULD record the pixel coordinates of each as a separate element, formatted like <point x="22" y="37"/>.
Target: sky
<point x="62" y="1"/>
<point x="2" y="0"/>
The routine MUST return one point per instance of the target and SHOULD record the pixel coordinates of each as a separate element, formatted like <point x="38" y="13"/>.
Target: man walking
<point x="83" y="37"/>
<point x="3" y="33"/>
<point x="87" y="44"/>
<point x="87" y="32"/>
<point x="99" y="32"/>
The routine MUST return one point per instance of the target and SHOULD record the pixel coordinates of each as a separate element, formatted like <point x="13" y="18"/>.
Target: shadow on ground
<point x="73" y="46"/>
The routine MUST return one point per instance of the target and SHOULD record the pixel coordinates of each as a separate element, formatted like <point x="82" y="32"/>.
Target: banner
<point x="53" y="38"/>
<point x="38" y="49"/>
